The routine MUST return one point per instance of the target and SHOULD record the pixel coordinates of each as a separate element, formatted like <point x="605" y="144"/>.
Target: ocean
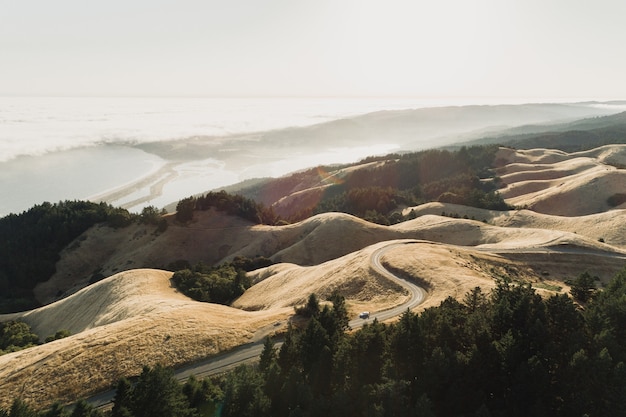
<point x="59" y="148"/>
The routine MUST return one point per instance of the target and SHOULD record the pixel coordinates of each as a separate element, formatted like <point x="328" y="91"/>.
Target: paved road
<point x="251" y="351"/>
<point x="417" y="294"/>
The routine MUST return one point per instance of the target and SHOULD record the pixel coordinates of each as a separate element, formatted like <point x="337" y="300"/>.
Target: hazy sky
<point x="436" y="48"/>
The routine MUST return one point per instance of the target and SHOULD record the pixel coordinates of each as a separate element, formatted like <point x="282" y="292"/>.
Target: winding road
<point x="248" y="352"/>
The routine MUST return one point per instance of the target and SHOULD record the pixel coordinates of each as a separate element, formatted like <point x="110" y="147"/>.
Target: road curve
<point x="244" y="353"/>
<point x="417" y="293"/>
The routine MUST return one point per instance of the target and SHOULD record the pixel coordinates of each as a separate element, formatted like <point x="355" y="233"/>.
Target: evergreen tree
<point x="157" y="393"/>
<point x="583" y="287"/>
<point x="20" y="409"/>
<point x="243" y="395"/>
<point x="268" y="355"/>
<point x="57" y="410"/>
<point x="123" y="399"/>
<point x="84" y="409"/>
<point x="288" y="355"/>
<point x="312" y="342"/>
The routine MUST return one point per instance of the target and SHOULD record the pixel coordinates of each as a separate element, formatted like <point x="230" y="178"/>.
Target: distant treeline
<point x="507" y="353"/>
<point x="31" y="242"/>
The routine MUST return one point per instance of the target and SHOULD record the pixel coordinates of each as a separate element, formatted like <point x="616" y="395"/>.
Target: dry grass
<point x="122" y="323"/>
<point x="136" y="318"/>
<point x="554" y="182"/>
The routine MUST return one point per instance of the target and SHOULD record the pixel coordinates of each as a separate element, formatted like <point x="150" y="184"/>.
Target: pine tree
<point x="57" y="410"/>
<point x="157" y="393"/>
<point x="84" y="409"/>
<point x="123" y="399"/>
<point x="268" y="355"/>
<point x="20" y="409"/>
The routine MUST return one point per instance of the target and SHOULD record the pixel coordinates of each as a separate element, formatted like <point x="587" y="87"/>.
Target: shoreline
<point x="72" y="175"/>
<point x="161" y="172"/>
<point x="149" y="181"/>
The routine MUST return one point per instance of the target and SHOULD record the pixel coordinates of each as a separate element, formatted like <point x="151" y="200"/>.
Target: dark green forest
<point x="30" y="244"/>
<point x="505" y="353"/>
<point x="235" y="205"/>
<point x="216" y="284"/>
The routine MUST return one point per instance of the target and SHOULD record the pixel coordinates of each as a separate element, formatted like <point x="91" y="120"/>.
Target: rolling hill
<point x="135" y="317"/>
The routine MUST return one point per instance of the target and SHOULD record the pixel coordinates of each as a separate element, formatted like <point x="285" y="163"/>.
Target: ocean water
<point x="58" y="148"/>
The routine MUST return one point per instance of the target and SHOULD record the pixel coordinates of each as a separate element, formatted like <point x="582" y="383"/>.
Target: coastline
<point x="152" y="181"/>
<point x="134" y="174"/>
<point x="70" y="175"/>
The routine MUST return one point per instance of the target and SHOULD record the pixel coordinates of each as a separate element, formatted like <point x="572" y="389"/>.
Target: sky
<point x="314" y="48"/>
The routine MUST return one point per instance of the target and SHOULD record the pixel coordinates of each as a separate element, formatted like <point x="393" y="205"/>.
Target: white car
<point x="364" y="315"/>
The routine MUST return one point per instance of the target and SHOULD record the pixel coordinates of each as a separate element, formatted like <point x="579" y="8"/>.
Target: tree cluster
<point x="154" y="393"/>
<point x="17" y="335"/>
<point x="212" y="284"/>
<point x="30" y="244"/>
<point x="233" y="204"/>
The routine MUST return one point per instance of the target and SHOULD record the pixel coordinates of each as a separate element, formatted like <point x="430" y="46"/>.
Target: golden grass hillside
<point x="120" y="324"/>
<point x="118" y="333"/>
<point x="548" y="181"/>
<point x="555" y="182"/>
<point x="607" y="226"/>
<point x="214" y="237"/>
<point x="135" y="318"/>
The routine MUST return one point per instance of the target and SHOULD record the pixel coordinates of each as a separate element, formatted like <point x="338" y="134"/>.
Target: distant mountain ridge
<point x="410" y="130"/>
<point x="574" y="136"/>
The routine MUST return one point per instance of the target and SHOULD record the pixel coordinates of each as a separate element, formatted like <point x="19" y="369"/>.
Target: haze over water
<point x="54" y="149"/>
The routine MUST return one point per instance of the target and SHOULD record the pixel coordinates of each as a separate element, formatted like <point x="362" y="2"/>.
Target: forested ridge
<point x="30" y="244"/>
<point x="505" y="353"/>
<point x="464" y="176"/>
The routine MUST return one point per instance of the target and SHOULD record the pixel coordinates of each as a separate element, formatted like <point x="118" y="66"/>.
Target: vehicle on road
<point x="364" y="315"/>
